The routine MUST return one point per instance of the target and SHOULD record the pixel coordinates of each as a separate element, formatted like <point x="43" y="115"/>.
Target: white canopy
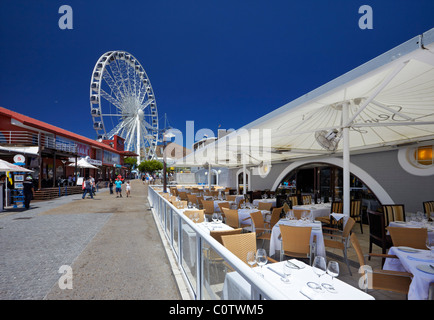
<point x="388" y="101"/>
<point x="7" y="166"/>
<point x="82" y="163"/>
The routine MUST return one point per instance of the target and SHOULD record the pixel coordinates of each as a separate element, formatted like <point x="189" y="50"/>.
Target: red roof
<point x="53" y="129"/>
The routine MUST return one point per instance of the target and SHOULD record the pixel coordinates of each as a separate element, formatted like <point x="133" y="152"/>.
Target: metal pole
<point x="346" y="160"/>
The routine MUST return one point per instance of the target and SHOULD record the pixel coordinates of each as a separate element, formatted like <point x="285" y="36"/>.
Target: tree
<point x="130" y="161"/>
<point x="150" y="166"/>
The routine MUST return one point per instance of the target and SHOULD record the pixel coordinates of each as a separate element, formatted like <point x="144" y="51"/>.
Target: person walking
<point x="128" y="188"/>
<point x="28" y="191"/>
<point x="111" y="186"/>
<point x="87" y="188"/>
<point x="118" y="183"/>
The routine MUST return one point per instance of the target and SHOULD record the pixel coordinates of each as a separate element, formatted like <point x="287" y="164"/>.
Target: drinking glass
<point x="333" y="271"/>
<point x="215" y="217"/>
<point x="319" y="266"/>
<point x="261" y="259"/>
<point x="286" y="273"/>
<point x="251" y="258"/>
<point x="196" y="216"/>
<point x="430" y="245"/>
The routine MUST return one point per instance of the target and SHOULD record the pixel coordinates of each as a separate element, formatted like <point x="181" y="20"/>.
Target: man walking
<point x="28" y="191"/>
<point x="87" y="188"/>
<point x="118" y="183"/>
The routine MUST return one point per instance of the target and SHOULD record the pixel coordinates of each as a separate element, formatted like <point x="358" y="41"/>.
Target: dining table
<point x="244" y="214"/>
<point x="275" y="242"/>
<point x="418" y="262"/>
<point x="415" y="224"/>
<point x="303" y="284"/>
<point x="317" y="210"/>
<point x="255" y="202"/>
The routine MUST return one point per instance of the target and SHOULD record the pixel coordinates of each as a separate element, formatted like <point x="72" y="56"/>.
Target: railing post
<point x="199" y="269"/>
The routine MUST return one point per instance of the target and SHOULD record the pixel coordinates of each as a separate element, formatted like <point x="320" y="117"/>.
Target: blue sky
<point x="225" y="62"/>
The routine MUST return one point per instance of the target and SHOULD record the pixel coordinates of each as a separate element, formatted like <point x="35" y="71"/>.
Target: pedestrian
<point x="87" y="187"/>
<point x="92" y="183"/>
<point x="128" y="188"/>
<point x="29" y="191"/>
<point x="111" y="186"/>
<point x="118" y="184"/>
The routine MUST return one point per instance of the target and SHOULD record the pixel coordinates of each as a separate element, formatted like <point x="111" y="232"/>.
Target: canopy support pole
<point x="346" y="160"/>
<point x="244" y="179"/>
<point x="209" y="177"/>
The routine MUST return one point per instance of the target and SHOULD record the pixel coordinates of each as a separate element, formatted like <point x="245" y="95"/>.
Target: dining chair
<point x="262" y="232"/>
<point x="393" y="212"/>
<point x="265" y="206"/>
<point x="208" y="206"/>
<point x="409" y="237"/>
<point x="180" y="204"/>
<point x="377" y="232"/>
<point x="232" y="219"/>
<point x="192" y="198"/>
<point x="223" y="205"/>
<point x="428" y="207"/>
<point x="338" y="239"/>
<point x="240" y="244"/>
<point x="274" y="217"/>
<point x="230" y="197"/>
<point x="172" y="199"/>
<point x="380" y="279"/>
<point x="189" y="214"/>
<point x="298" y="213"/>
<point x="356" y="212"/>
<point x="218" y="234"/>
<point x="240" y="204"/>
<point x="294" y="200"/>
<point x="199" y="202"/>
<point x="295" y="242"/>
<point x="307" y="199"/>
<point x="286" y="207"/>
<point x="183" y="195"/>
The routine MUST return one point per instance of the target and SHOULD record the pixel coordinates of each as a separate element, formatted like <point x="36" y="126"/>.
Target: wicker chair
<point x="180" y="204"/>
<point x="393" y="212"/>
<point x="340" y="239"/>
<point x="356" y="212"/>
<point x="208" y="206"/>
<point x="262" y="232"/>
<point x="307" y="199"/>
<point x="410" y="237"/>
<point x="428" y="207"/>
<point x="224" y="205"/>
<point x="240" y="244"/>
<point x="381" y="279"/>
<point x="295" y="242"/>
<point x="232" y="219"/>
<point x="265" y="206"/>
<point x="293" y="200"/>
<point x="183" y="195"/>
<point x="275" y="217"/>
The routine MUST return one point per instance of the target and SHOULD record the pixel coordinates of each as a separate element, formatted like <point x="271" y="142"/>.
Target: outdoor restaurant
<point x="57" y="159"/>
<point x="312" y="188"/>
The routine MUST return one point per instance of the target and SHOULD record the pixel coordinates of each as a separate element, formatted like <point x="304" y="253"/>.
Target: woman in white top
<point x="127" y="188"/>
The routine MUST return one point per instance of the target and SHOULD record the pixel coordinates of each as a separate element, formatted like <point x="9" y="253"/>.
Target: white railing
<point x="193" y="249"/>
<point x="27" y="138"/>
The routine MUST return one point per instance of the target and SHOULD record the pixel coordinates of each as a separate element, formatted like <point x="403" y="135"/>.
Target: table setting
<point x="318" y="209"/>
<point x="297" y="281"/>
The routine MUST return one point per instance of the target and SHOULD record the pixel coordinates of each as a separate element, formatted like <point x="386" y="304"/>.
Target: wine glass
<point x="215" y="217"/>
<point x="251" y="258"/>
<point x="333" y="271"/>
<point x="261" y="259"/>
<point x="319" y="266"/>
<point x="430" y="245"/>
<point x="196" y="216"/>
<point x="286" y="273"/>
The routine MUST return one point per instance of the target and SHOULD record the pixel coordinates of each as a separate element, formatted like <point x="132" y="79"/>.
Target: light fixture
<point x="423" y="155"/>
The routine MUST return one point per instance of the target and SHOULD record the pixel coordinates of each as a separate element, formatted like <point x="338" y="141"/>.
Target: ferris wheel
<point x="123" y="103"/>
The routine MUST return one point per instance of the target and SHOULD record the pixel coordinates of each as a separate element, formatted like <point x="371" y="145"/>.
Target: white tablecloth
<point x="272" y="201"/>
<point x="318" y="210"/>
<point x="236" y="288"/>
<point x="409" y="262"/>
<point x="316" y="231"/>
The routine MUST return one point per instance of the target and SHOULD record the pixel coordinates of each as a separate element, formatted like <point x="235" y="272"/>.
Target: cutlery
<point x="280" y="274"/>
<point x="292" y="264"/>
<point x="431" y="266"/>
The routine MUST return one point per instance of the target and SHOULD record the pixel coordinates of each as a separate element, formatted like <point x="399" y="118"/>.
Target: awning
<point x="82" y="163"/>
<point x="33" y="151"/>
<point x="386" y="102"/>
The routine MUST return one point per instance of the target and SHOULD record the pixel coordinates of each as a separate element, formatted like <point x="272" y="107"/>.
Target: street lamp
<point x="166" y="136"/>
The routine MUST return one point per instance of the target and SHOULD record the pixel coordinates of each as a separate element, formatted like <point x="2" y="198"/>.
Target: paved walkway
<point x="112" y="245"/>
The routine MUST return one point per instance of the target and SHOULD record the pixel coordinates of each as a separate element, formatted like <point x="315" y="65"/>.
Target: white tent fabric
<point x="388" y="101"/>
<point x="82" y="163"/>
<point x="7" y="166"/>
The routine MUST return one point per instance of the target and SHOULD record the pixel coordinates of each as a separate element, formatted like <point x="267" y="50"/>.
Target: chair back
<point x="189" y="214"/>
<point x="192" y="198"/>
<point x="183" y="195"/>
<point x="356" y="245"/>
<point x="231" y="217"/>
<point x="223" y="205"/>
<point x="428" y="207"/>
<point x="295" y="240"/>
<point x="355" y="208"/>
<point x="377" y="227"/>
<point x="258" y="220"/>
<point x="293" y="200"/>
<point x="337" y="207"/>
<point x="218" y="234"/>
<point x="298" y="213"/>
<point x="180" y="204"/>
<point x="265" y="206"/>
<point x="240" y="203"/>
<point x="208" y="206"/>
<point x="409" y="237"/>
<point x="240" y="244"/>
<point x="286" y="207"/>
<point x="348" y="227"/>
<point x="275" y="216"/>
<point x="394" y="212"/>
<point x="307" y="199"/>
<point x="230" y="197"/>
